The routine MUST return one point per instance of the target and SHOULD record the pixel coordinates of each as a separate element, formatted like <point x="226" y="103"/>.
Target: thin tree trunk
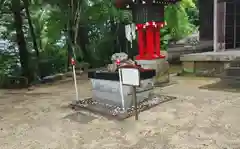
<point x="82" y="42"/>
<point x="72" y="35"/>
<point x="23" y="52"/>
<point x="34" y="39"/>
<point x="69" y="43"/>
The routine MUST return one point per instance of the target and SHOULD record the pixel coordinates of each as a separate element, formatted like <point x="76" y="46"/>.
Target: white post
<point x="74" y="78"/>
<point x="121" y="88"/>
<point x="215" y="25"/>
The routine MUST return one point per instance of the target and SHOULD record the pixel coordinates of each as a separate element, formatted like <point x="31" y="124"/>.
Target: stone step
<point x="235" y="63"/>
<point x="232" y="71"/>
<point x="230" y="79"/>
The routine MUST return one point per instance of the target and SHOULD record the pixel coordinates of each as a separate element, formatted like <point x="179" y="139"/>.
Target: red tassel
<point x="157" y="41"/>
<point x="149" y="41"/>
<point x="73" y="62"/>
<point x="140" y="32"/>
<point x="149" y="47"/>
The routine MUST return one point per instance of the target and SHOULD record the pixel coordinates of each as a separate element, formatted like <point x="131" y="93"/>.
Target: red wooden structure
<point x="149" y="19"/>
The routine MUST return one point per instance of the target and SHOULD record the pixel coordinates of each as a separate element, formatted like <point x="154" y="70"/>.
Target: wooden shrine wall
<point x="206" y="19"/>
<point x="232" y="24"/>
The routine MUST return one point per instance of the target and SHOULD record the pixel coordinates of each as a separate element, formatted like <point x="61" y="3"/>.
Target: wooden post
<point x="215" y="25"/>
<point x="73" y="62"/>
<point x="134" y="97"/>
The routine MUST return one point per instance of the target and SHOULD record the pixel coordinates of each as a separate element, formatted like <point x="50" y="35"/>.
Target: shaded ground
<point x="198" y="119"/>
<point x="224" y="85"/>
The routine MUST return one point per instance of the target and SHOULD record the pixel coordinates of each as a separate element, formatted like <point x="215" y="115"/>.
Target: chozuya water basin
<point x="106" y="88"/>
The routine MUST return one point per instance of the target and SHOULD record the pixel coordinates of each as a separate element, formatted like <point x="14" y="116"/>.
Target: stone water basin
<point x="106" y="88"/>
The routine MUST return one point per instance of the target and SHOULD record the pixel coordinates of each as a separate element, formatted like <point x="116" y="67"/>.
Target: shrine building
<point x="219" y="23"/>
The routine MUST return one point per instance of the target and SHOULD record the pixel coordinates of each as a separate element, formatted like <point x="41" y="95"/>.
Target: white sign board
<point x="130" y="76"/>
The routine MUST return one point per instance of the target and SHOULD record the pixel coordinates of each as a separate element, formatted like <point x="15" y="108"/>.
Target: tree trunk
<point x="82" y="42"/>
<point x="70" y="32"/>
<point x="70" y="36"/>
<point x="34" y="40"/>
<point x="23" y="52"/>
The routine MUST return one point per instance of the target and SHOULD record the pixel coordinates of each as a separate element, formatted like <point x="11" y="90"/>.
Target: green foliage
<point x="177" y="19"/>
<point x="181" y="19"/>
<point x="53" y="61"/>
<point x="165" y="37"/>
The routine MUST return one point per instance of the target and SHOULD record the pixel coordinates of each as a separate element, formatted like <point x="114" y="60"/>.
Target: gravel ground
<point x="197" y="119"/>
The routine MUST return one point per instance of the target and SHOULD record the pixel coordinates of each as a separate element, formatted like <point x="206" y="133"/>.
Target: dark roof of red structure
<point x="230" y="1"/>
